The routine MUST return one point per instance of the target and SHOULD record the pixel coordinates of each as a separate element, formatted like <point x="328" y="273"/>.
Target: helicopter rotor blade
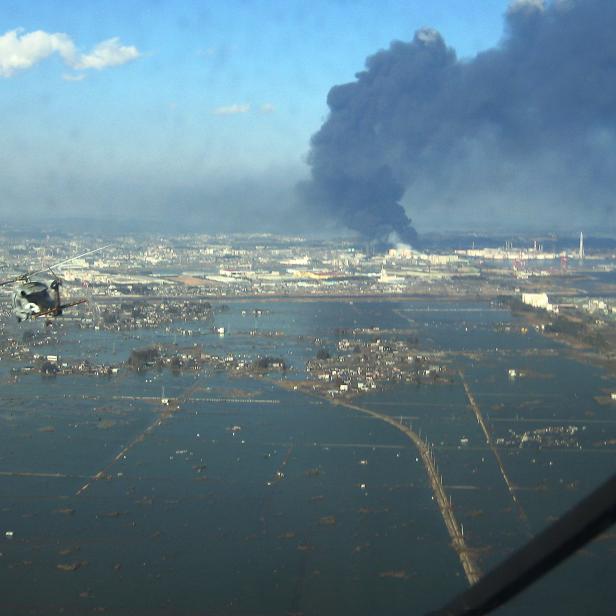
<point x="25" y="276"/>
<point x="84" y="254"/>
<point x="22" y="277"/>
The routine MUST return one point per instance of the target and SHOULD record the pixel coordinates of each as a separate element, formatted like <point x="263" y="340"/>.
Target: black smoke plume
<point x="524" y="132"/>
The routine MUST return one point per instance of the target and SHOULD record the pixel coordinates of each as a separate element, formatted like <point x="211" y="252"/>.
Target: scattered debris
<point x="71" y="566"/>
<point x="65" y="511"/>
<point x="287" y="535"/>
<point x="398" y="574"/>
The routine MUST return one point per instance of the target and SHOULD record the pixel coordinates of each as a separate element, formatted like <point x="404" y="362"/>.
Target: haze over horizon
<point x="496" y="117"/>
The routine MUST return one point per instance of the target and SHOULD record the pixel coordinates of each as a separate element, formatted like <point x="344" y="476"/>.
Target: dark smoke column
<point x="355" y="157"/>
<point x="522" y="134"/>
<point x="368" y="203"/>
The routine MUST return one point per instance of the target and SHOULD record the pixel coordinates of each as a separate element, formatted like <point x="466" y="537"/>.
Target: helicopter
<point x="34" y="298"/>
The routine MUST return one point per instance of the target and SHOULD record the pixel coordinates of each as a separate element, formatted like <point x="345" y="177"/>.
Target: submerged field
<point x="252" y="498"/>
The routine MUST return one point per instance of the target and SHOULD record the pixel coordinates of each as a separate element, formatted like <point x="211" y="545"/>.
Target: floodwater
<point x="253" y="499"/>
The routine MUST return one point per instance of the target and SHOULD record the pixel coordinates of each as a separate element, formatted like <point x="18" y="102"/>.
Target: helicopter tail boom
<point x="57" y="310"/>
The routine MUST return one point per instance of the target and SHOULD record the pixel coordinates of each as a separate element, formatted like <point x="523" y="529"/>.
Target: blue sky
<point x="215" y="95"/>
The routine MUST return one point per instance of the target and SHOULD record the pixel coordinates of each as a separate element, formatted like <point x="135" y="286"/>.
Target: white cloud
<point x="428" y="36"/>
<point x="232" y="109"/>
<point x="527" y="6"/>
<point x="73" y="76"/>
<point x="267" y="108"/>
<point x="107" y="53"/>
<point x="20" y="51"/>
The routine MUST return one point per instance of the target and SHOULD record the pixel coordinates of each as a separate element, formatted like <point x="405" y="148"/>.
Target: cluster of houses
<point x="52" y="365"/>
<point x="551" y="436"/>
<point x="361" y="366"/>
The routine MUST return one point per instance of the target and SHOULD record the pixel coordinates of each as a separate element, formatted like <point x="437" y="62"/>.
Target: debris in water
<point x="287" y="535"/>
<point x="71" y="566"/>
<point x="65" y="511"/>
<point x="398" y="574"/>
